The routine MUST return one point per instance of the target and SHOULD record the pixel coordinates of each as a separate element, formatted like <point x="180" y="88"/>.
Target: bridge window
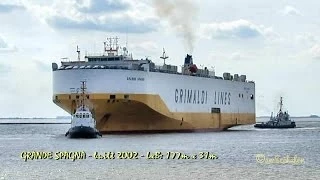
<point x="112" y="96"/>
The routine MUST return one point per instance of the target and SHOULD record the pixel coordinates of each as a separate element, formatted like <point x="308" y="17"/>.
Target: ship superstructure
<point x="136" y="95"/>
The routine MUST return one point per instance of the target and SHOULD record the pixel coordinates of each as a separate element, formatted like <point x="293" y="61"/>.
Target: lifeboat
<point x="193" y="68"/>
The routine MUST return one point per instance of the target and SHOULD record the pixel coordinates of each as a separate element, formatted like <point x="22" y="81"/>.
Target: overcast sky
<point x="276" y="43"/>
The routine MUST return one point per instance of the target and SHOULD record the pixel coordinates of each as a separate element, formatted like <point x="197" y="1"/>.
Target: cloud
<point x="4" y="69"/>
<point x="315" y="51"/>
<point x="101" y="15"/>
<point x="3" y="44"/>
<point x="116" y="24"/>
<point x="237" y="56"/>
<point x="289" y="10"/>
<point x="43" y="66"/>
<point x="6" y="8"/>
<point x="5" y="47"/>
<point x="240" y="29"/>
<point x="234" y="55"/>
<point x="98" y="6"/>
<point x="146" y="45"/>
<point x="145" y="48"/>
<point x="306" y="38"/>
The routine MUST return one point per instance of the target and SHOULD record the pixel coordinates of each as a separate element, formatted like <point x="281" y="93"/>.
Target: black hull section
<point x="83" y="132"/>
<point x="266" y="126"/>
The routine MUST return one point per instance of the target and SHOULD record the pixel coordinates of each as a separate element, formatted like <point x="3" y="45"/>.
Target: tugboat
<point x="83" y="125"/>
<point x="282" y="120"/>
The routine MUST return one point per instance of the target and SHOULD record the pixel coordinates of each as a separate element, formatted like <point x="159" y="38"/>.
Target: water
<point x="236" y="150"/>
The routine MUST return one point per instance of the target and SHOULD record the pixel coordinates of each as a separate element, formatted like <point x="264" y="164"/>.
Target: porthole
<point x="251" y="96"/>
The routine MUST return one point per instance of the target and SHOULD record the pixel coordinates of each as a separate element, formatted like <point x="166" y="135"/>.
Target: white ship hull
<point x="131" y="100"/>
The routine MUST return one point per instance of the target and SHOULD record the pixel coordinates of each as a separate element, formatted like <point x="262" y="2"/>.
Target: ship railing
<point x="124" y="67"/>
<point x="125" y="56"/>
<point x="179" y="73"/>
<point x="95" y="54"/>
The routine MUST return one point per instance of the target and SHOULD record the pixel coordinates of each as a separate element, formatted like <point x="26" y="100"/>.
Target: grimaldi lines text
<point x="201" y="96"/>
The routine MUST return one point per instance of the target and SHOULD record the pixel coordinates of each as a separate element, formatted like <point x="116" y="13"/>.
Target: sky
<point x="275" y="43"/>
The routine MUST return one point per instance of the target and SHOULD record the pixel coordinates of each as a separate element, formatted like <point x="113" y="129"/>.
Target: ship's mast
<point x="78" y="51"/>
<point x="83" y="89"/>
<point x="164" y="57"/>
<point x="281" y="104"/>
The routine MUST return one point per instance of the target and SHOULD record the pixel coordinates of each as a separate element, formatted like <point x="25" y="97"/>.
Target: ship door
<point x="216" y="117"/>
<point x="73" y="107"/>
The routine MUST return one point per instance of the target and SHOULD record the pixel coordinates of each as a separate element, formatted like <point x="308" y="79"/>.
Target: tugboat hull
<point x="267" y="126"/>
<point x="82" y="132"/>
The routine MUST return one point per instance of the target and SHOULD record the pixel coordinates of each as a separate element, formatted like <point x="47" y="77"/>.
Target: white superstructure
<point x="83" y="117"/>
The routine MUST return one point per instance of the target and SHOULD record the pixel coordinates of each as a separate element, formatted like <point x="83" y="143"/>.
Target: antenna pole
<point x="164" y="57"/>
<point x="78" y="51"/>
<point x="281" y="104"/>
<point x="83" y="88"/>
<point x="127" y="38"/>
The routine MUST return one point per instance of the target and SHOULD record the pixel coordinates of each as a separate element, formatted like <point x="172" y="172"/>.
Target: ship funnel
<point x="188" y="59"/>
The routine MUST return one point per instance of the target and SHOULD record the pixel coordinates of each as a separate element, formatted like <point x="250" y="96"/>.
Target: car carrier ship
<point x="135" y="95"/>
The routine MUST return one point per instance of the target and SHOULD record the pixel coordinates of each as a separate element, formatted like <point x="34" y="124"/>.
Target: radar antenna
<point x="164" y="56"/>
<point x="111" y="46"/>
